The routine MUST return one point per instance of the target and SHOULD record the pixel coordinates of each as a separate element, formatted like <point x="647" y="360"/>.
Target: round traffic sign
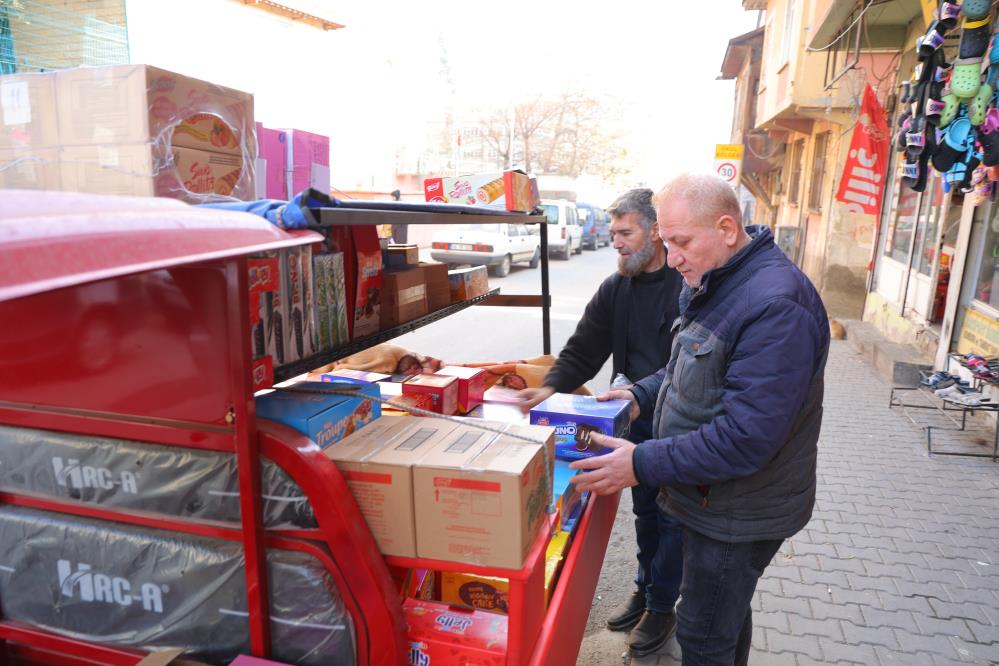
<point x="728" y="171"/>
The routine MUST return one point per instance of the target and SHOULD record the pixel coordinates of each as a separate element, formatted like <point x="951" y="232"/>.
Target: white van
<point x="565" y="235"/>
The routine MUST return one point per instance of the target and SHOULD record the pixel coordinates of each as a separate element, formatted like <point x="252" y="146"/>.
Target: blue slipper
<point x="954" y="145"/>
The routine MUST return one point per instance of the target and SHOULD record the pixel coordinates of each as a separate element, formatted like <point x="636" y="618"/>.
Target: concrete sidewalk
<point x="899" y="565"/>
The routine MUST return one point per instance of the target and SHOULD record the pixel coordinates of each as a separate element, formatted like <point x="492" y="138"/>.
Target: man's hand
<point x="533" y="396"/>
<point x="610" y="472"/>
<point x="622" y="394"/>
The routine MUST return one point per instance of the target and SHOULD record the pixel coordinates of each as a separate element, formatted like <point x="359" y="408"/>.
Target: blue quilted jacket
<point x="736" y="411"/>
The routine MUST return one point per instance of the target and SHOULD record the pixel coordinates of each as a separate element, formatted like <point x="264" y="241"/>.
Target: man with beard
<point x="630" y="318"/>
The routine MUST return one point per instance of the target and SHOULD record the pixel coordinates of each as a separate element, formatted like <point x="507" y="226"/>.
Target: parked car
<point x="596" y="225"/>
<point x="497" y="246"/>
<point x="565" y="236"/>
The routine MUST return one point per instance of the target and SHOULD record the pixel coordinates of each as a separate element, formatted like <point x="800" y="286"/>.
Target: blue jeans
<point x="660" y="542"/>
<point x="714" y="618"/>
<point x="660" y="551"/>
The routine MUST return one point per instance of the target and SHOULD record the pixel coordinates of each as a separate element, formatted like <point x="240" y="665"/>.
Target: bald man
<point x="736" y="413"/>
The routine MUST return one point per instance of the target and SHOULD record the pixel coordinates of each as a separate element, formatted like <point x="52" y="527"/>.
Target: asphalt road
<point x="484" y="333"/>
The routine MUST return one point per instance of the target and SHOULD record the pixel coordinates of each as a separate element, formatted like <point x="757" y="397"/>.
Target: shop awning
<point x="52" y="240"/>
<point x="886" y="22"/>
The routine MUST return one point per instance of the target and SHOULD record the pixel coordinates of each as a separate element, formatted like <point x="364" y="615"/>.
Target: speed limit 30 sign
<point x="728" y="162"/>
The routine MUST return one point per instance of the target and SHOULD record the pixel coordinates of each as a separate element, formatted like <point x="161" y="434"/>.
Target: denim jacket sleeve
<point x="647" y="390"/>
<point x="773" y="362"/>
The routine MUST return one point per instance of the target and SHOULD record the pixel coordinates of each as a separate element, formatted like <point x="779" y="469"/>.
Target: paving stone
<point x="822" y="610"/>
<point x="875" y="617"/>
<point x="862" y="635"/>
<point x="983" y="633"/>
<point x="842" y="652"/>
<point x="787" y="604"/>
<point x="934" y="626"/>
<point x="861" y="582"/>
<point x="780" y="642"/>
<point x="976" y="652"/>
<point x="777" y="620"/>
<point x="914" y="642"/>
<point x="774" y="658"/>
<point x="801" y="626"/>
<point x="827" y="578"/>
<point x="916" y="605"/>
<point x="967" y="611"/>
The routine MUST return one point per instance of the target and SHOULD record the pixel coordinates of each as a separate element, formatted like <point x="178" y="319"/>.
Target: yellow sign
<point x="728" y="162"/>
<point x="929" y="7"/>
<point x="728" y="151"/>
<point x="979" y="335"/>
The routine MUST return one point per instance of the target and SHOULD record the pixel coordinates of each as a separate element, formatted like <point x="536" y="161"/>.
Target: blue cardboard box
<point x="325" y="417"/>
<point x="573" y="416"/>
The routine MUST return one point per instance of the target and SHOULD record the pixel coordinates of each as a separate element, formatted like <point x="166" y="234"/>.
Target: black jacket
<point x="603" y="331"/>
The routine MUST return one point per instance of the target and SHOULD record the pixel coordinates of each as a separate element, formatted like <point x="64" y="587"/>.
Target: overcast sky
<point x="372" y="85"/>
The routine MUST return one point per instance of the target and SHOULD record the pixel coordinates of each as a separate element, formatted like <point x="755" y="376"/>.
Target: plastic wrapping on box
<point x="127" y="130"/>
<point x="146" y="588"/>
<point x="189" y="483"/>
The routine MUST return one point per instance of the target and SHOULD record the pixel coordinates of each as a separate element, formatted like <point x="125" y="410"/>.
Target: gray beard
<point x="635" y="264"/>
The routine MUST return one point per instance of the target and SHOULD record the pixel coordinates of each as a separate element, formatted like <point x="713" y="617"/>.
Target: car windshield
<point x="551" y="212"/>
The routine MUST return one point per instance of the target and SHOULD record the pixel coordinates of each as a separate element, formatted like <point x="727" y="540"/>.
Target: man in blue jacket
<point x="630" y="319"/>
<point x="736" y="413"/>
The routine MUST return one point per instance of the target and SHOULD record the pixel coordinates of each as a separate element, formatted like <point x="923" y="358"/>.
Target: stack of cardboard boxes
<point x="128" y="129"/>
<point x="442" y="490"/>
<point x="291" y="161"/>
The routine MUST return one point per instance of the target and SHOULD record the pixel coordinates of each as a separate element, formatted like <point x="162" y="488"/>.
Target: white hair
<point x="707" y="196"/>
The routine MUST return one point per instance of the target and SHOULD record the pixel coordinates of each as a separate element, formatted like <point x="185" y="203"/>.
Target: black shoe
<point x="627" y="614"/>
<point x="651" y="633"/>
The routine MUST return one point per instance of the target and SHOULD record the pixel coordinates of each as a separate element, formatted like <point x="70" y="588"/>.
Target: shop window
<point x="900" y="231"/>
<point x="987" y="287"/>
<point x="818" y="172"/>
<point x="926" y="240"/>
<point x="794" y="182"/>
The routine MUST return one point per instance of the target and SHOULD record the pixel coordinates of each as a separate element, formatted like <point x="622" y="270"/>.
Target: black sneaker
<point x="628" y="613"/>
<point x="651" y="633"/>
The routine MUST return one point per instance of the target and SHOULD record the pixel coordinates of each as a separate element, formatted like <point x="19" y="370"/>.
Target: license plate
<point x="461" y="246"/>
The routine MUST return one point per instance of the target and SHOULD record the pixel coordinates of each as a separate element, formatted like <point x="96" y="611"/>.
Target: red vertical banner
<point x="863" y="181"/>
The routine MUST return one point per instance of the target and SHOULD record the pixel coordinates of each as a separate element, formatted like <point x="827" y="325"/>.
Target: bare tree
<point x="568" y="134"/>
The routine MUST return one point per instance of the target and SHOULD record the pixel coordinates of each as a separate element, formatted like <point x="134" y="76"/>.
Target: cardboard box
<point x="485" y="593"/>
<point x="466" y="283"/>
<point x="27" y="111"/>
<point x="402" y="256"/>
<point x="326" y="418"/>
<point x="272" y="178"/>
<point x="573" y="415"/>
<point x="404" y="296"/>
<point x="443" y="636"/>
<point x="30" y="169"/>
<point x="308" y="159"/>
<point x="471" y="385"/>
<point x="146" y="170"/>
<point x="443" y="391"/>
<point x="438" y="286"/>
<point x="401" y="404"/>
<point x="128" y="104"/>
<point x="480" y="499"/>
<point x="509" y="190"/>
<point x="377" y="465"/>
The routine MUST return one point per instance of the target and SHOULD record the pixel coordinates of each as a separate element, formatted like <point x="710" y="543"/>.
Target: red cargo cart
<point x="127" y="319"/>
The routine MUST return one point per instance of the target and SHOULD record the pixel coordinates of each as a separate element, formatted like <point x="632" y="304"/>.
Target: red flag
<point x="863" y="181"/>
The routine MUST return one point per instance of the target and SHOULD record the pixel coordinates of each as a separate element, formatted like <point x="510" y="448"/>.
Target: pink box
<point x="272" y="164"/>
<point x="308" y="161"/>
